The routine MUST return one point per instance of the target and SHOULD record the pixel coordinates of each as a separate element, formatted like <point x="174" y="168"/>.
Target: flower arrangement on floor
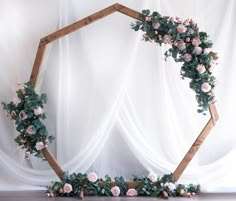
<point x="80" y="184"/>
<point x="27" y="111"/>
<point x="187" y="45"/>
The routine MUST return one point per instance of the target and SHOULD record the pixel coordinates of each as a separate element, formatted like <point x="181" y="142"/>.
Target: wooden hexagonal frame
<point x="82" y="23"/>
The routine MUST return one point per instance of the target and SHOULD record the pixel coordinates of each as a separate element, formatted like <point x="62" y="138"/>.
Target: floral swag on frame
<point x="188" y="46"/>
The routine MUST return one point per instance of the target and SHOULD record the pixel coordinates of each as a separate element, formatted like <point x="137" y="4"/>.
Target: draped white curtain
<point x="115" y="106"/>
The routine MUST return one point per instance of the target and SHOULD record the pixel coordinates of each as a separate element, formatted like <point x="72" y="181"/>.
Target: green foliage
<point x="120" y="182"/>
<point x="102" y="187"/>
<point x="166" y="30"/>
<point x="27" y="111"/>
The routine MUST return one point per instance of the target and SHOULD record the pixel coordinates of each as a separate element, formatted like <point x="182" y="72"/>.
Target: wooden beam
<point x="193" y="150"/>
<point x="130" y="12"/>
<point x="88" y="20"/>
<point x="53" y="163"/>
<point x="214" y="113"/>
<point x="37" y="62"/>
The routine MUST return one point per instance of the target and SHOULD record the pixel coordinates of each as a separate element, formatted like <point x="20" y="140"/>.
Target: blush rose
<point x="187" y="57"/>
<point x="115" y="191"/>
<point x="181" y="28"/>
<point x="131" y="192"/>
<point x="39" y="146"/>
<point x="92" y="177"/>
<point x="201" y="68"/>
<point x="152" y="176"/>
<point x="67" y="188"/>
<point x="206" y="87"/>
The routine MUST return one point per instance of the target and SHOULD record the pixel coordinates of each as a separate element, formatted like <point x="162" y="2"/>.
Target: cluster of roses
<point x="30" y="130"/>
<point x="27" y="110"/>
<point x="173" y="189"/>
<point x="92" y="177"/>
<point x="189" y="46"/>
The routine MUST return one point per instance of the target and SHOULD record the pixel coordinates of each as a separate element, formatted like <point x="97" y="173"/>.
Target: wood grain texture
<point x="90" y="19"/>
<point x="37" y="62"/>
<point x="53" y="163"/>
<point x="130" y="12"/>
<point x="214" y="113"/>
<point x="193" y="150"/>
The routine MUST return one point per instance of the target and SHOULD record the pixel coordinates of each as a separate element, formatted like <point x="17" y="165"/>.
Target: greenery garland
<point x="151" y="185"/>
<point x="27" y="111"/>
<point x="188" y="46"/>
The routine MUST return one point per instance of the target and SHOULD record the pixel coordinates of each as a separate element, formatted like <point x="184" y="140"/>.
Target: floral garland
<point x="187" y="45"/>
<point x="27" y="111"/>
<point x="78" y="184"/>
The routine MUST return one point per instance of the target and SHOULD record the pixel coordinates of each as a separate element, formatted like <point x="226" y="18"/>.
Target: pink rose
<point x="188" y="195"/>
<point x="171" y="19"/>
<point x="180" y="21"/>
<point x="67" y="188"/>
<point x="187" y="57"/>
<point x="38" y="111"/>
<point x="186" y="22"/>
<point x="171" y="186"/>
<point x="22" y="115"/>
<point x="197" y="50"/>
<point x="201" y="68"/>
<point x="115" y="191"/>
<point x="196" y="41"/>
<point x="181" y="28"/>
<point x="192" y="22"/>
<point x="39" y="146"/>
<point x="131" y="192"/>
<point x="167" y="39"/>
<point x="156" y="32"/>
<point x="207" y="51"/>
<point x="181" y="45"/>
<point x="152" y="176"/>
<point x="160" y="37"/>
<point x="206" y="87"/>
<point x="187" y="39"/>
<point x="156" y="25"/>
<point x="212" y="68"/>
<point x="182" y="192"/>
<point x="191" y="31"/>
<point x="48" y="195"/>
<point x="92" y="177"/>
<point x="61" y="190"/>
<point x="148" y="19"/>
<point x="31" y="130"/>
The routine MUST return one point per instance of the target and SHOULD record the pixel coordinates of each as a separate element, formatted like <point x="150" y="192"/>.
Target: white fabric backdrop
<point x="115" y="106"/>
